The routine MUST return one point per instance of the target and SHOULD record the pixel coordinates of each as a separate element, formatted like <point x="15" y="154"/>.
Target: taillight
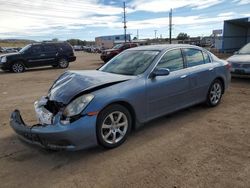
<point x="229" y="66"/>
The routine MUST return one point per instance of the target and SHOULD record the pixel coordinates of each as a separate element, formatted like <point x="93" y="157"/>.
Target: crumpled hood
<point x="72" y="83"/>
<point x="241" y="58"/>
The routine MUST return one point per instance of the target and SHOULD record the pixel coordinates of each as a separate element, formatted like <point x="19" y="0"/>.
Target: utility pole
<point x="155" y="33"/>
<point x="137" y="34"/>
<point x="124" y="21"/>
<point x="170" y="26"/>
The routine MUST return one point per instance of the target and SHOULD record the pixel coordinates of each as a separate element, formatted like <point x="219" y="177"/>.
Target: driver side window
<point x="172" y="60"/>
<point x="36" y="49"/>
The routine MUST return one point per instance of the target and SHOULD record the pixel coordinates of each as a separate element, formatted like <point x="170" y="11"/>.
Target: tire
<point x="214" y="93"/>
<point x="63" y="63"/>
<point x="110" y="131"/>
<point x="17" y="67"/>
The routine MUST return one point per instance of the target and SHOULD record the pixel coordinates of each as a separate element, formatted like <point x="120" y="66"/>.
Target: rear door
<point x="201" y="73"/>
<point x="168" y="93"/>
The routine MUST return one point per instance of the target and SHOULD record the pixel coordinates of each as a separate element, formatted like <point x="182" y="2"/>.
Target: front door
<point x="166" y="94"/>
<point x="35" y="56"/>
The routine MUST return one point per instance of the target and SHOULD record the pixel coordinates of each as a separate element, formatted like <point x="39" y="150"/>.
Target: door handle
<point x="42" y="55"/>
<point x="183" y="76"/>
<point x="210" y="69"/>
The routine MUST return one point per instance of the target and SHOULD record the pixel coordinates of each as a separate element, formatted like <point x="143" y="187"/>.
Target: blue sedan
<point x="101" y="107"/>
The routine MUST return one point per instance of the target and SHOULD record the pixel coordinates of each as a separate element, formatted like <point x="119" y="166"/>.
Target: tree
<point x="74" y="42"/>
<point x="182" y="36"/>
<point x="55" y="40"/>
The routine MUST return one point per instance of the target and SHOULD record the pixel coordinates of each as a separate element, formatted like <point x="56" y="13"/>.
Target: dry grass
<point x="13" y="44"/>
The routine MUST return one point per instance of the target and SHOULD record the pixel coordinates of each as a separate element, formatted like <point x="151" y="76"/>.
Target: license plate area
<point x="44" y="116"/>
<point x="239" y="71"/>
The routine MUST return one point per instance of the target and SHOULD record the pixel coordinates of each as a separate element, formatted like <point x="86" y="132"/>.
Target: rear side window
<point x="67" y="47"/>
<point x="36" y="49"/>
<point x="206" y="57"/>
<point x="49" y="48"/>
<point x="172" y="60"/>
<point x="64" y="47"/>
<point x="194" y="57"/>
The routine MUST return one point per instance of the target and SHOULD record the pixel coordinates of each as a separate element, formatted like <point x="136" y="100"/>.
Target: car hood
<point x="110" y="50"/>
<point x="241" y="58"/>
<point x="10" y="54"/>
<point x="74" y="83"/>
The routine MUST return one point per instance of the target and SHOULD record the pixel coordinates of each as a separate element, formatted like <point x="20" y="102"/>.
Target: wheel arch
<point x="129" y="107"/>
<point x="19" y="61"/>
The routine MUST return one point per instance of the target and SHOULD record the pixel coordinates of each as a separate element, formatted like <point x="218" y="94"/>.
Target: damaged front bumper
<point x="80" y="134"/>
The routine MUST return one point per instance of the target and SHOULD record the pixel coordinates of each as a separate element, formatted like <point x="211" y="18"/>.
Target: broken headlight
<point x="77" y="105"/>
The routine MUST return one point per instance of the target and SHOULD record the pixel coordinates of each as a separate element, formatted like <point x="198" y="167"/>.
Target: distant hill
<point x="15" y="42"/>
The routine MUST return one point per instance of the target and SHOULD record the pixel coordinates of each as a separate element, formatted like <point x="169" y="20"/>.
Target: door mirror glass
<point x="160" y="72"/>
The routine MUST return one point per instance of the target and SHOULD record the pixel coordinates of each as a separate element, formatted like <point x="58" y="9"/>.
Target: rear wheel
<point x="215" y="93"/>
<point x="63" y="63"/>
<point x="18" y="67"/>
<point x="113" y="126"/>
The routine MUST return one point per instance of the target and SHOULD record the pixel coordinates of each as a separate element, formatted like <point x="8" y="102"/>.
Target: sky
<point x="87" y="19"/>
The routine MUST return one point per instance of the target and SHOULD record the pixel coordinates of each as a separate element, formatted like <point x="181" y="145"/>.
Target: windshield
<point x="25" y="48"/>
<point x="130" y="62"/>
<point x="245" y="49"/>
<point x="117" y="46"/>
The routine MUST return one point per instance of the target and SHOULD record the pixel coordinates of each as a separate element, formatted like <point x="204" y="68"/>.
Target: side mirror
<point x="159" y="72"/>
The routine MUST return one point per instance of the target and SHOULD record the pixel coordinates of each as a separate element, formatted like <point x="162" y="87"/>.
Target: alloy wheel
<point x="17" y="68"/>
<point x="63" y="63"/>
<point x="215" y="93"/>
<point x="114" y="127"/>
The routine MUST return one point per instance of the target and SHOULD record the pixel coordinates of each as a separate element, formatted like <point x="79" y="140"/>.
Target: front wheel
<point x="215" y="93"/>
<point x="113" y="126"/>
<point x="18" y="67"/>
<point x="63" y="63"/>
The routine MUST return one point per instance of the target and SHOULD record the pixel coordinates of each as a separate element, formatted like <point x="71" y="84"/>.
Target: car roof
<point x="42" y="43"/>
<point x="164" y="47"/>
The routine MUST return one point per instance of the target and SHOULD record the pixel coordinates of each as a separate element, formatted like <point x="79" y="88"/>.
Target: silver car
<point x="240" y="61"/>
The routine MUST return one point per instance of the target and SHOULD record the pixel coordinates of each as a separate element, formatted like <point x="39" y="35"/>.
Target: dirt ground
<point x="196" y="147"/>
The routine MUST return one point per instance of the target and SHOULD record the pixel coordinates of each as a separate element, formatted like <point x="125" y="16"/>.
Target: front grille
<point x="240" y="65"/>
<point x="246" y="65"/>
<point x="53" y="106"/>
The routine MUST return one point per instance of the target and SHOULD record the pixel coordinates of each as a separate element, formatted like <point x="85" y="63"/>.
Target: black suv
<point x="56" y="54"/>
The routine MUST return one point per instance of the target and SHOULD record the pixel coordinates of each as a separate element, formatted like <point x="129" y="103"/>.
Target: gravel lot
<point x="196" y="147"/>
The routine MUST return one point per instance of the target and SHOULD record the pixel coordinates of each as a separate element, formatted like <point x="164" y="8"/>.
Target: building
<point x="236" y="33"/>
<point x="109" y="41"/>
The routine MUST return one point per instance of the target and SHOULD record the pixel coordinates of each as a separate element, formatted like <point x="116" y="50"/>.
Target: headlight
<point x="108" y="53"/>
<point x="77" y="105"/>
<point x="4" y="59"/>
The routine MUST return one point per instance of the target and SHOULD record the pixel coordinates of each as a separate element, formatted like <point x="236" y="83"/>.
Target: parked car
<point x="90" y="107"/>
<point x="240" y="61"/>
<point x="57" y="54"/>
<point x="109" y="54"/>
<point x="77" y="48"/>
<point x="9" y="50"/>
